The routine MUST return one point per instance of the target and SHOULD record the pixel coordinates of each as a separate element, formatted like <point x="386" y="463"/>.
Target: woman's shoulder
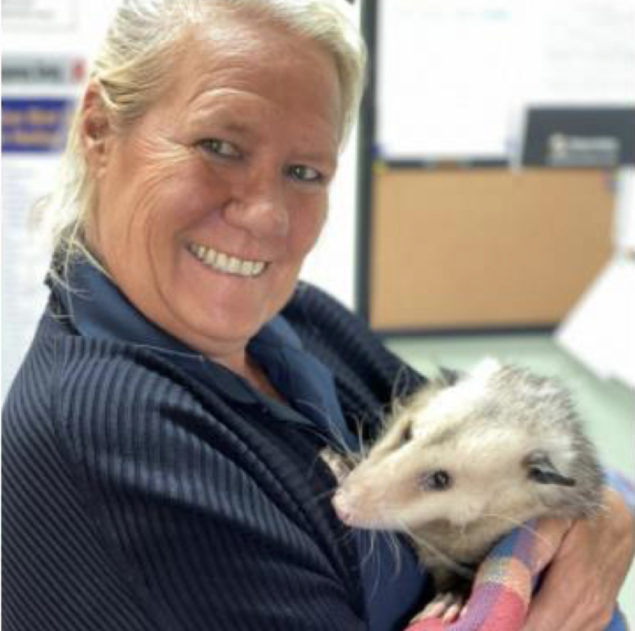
<point x="102" y="405"/>
<point x="320" y="320"/>
<point x="367" y="374"/>
<point x="66" y="379"/>
<point x="82" y="363"/>
<point x="142" y="457"/>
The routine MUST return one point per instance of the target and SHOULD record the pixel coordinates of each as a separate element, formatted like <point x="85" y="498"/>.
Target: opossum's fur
<point x="466" y="459"/>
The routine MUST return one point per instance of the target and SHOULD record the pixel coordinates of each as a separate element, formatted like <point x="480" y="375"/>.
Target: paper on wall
<point x="455" y="76"/>
<point x="599" y="330"/>
<point x="624" y="237"/>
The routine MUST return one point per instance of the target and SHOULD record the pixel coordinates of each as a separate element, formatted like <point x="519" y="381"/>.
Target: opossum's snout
<point x="344" y="506"/>
<point x="362" y="500"/>
<point x="354" y="506"/>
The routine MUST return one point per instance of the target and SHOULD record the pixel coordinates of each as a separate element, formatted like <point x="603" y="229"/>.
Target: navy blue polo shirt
<point x="99" y="310"/>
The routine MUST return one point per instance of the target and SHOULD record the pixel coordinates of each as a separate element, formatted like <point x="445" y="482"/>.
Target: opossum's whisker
<point x="511" y="520"/>
<point x="376" y="560"/>
<point x="320" y="497"/>
<point x="597" y="507"/>
<point x="336" y="431"/>
<point x="361" y="448"/>
<point x="346" y="536"/>
<point x="393" y="540"/>
<point x="519" y="524"/>
<point x="401" y="382"/>
<point x="463" y="534"/>
<point x="373" y="542"/>
<point x="371" y="557"/>
<point x="449" y="562"/>
<point x="370" y="548"/>
<point x="317" y="458"/>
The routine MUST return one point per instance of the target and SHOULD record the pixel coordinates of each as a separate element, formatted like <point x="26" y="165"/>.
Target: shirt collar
<point x="98" y="309"/>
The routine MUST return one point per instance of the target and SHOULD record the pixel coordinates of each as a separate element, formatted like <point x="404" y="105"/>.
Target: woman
<point x="161" y="440"/>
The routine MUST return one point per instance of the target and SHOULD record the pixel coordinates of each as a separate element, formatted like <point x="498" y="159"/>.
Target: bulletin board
<point x="485" y="248"/>
<point x="455" y="235"/>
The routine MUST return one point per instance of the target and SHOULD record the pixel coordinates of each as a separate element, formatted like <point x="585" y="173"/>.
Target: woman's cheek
<point x="313" y="223"/>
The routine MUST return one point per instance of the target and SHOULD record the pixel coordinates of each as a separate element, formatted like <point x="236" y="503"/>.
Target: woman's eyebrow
<point x="224" y="122"/>
<point x="327" y="158"/>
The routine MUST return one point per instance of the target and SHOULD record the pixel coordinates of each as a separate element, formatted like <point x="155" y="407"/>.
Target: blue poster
<point x="35" y="125"/>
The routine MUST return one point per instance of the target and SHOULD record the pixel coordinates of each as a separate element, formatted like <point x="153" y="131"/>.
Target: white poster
<point x="33" y="137"/>
<point x="454" y="77"/>
<point x="444" y="78"/>
<point x="47" y="16"/>
<point x="24" y="258"/>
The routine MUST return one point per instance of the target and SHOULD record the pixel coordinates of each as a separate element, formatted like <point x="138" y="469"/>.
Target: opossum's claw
<point x="449" y="607"/>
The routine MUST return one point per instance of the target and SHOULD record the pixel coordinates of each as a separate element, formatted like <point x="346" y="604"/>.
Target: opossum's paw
<point x="338" y="464"/>
<point x="448" y="607"/>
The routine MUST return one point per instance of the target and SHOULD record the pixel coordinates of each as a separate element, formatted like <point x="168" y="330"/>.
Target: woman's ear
<point x="95" y="129"/>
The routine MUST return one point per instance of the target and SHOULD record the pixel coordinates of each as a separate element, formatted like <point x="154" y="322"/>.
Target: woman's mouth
<point x="225" y="263"/>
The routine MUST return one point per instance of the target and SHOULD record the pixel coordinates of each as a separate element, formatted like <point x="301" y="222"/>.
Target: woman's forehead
<point x="281" y="71"/>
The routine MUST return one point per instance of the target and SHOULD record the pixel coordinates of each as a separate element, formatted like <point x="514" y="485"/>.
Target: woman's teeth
<point x="222" y="262"/>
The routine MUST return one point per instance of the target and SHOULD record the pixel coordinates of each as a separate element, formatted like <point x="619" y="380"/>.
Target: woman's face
<point x="208" y="204"/>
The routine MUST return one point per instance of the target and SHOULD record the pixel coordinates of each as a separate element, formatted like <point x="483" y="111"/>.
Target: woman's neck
<point x="245" y="366"/>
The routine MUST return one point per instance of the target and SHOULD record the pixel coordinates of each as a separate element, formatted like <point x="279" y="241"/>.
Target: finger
<point x="433" y="610"/>
<point x="545" y="612"/>
<point x="452" y="612"/>
<point x="553" y="610"/>
<point x="561" y="604"/>
<point x="549" y="535"/>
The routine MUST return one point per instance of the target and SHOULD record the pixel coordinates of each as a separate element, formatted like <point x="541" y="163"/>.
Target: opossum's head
<point x="497" y="442"/>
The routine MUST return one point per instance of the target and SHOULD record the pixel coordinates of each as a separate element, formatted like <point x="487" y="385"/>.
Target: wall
<point x="331" y="265"/>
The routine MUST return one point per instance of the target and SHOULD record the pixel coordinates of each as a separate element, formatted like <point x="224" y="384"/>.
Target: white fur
<point x="458" y="400"/>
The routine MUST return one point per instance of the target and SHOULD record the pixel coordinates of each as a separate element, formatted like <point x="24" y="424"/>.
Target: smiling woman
<point x="162" y="440"/>
<point x="231" y="164"/>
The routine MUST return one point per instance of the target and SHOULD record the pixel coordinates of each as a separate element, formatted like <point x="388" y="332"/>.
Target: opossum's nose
<point x="343" y="506"/>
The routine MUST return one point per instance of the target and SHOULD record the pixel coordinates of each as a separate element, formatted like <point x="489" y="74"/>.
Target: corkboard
<point x="485" y="248"/>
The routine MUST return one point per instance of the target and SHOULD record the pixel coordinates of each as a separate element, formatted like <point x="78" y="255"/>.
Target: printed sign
<point x="30" y="70"/>
<point x="35" y="125"/>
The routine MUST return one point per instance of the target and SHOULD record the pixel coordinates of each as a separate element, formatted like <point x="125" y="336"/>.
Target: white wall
<point x="331" y="265"/>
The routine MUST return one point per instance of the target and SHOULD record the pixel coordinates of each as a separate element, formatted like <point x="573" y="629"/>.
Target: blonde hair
<point x="132" y="67"/>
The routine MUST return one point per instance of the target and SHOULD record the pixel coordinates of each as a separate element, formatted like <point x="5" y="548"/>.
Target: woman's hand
<point x="589" y="560"/>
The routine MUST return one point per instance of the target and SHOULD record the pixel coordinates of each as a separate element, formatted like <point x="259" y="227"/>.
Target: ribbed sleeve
<point x="158" y="507"/>
<point x="56" y="573"/>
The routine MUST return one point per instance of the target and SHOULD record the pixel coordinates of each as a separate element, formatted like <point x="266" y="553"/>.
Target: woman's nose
<point x="260" y="208"/>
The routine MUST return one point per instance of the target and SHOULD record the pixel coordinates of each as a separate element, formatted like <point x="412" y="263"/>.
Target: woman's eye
<point x="220" y="148"/>
<point x="304" y="173"/>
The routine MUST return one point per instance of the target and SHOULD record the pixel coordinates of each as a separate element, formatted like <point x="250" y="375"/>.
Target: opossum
<point x="465" y="460"/>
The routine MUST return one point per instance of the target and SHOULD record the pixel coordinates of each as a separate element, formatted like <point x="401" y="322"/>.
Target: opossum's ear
<point x="448" y="376"/>
<point x="541" y="469"/>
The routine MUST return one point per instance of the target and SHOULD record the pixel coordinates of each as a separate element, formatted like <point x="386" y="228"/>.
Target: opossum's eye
<point x="439" y="480"/>
<point x="406" y="437"/>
